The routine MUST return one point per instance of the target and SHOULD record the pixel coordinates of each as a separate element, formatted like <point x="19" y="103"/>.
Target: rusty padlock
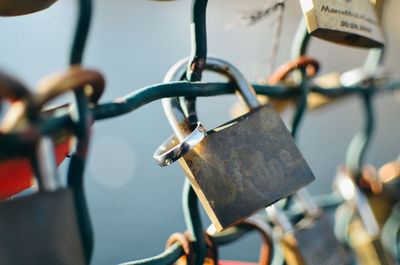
<point x="350" y="22"/>
<point x="243" y="165"/>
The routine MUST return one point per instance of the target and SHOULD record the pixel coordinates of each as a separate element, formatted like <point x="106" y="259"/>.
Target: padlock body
<point x="40" y="229"/>
<point x="16" y="174"/>
<point x="351" y="22"/>
<point x="245" y="165"/>
<point x="317" y="244"/>
<point x="23" y="7"/>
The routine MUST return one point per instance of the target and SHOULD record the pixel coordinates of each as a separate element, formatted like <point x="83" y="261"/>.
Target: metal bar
<point x="358" y="146"/>
<point x="82" y="131"/>
<point x="154" y="92"/>
<point x="198" y="40"/>
<point x="193" y="222"/>
<point x="169" y="256"/>
<point x="81" y="31"/>
<point x="198" y="53"/>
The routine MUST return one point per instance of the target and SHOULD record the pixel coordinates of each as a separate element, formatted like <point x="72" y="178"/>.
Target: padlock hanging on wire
<point x="311" y="240"/>
<point x="41" y="228"/>
<point x="349" y="22"/>
<point x="242" y="166"/>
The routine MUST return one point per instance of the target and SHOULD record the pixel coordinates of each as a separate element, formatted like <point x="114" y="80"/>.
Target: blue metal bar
<point x="76" y="168"/>
<point x="193" y="222"/>
<point x="358" y="146"/>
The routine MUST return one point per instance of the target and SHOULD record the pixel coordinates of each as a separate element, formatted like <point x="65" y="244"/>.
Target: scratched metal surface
<point x="245" y="166"/>
<point x="134" y="204"/>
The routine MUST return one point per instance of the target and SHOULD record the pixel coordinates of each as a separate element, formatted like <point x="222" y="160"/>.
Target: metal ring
<point x="172" y="149"/>
<point x="311" y="65"/>
<point x="187" y="247"/>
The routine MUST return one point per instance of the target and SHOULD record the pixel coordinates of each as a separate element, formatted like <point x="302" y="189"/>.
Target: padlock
<point x="16" y="119"/>
<point x="350" y="22"/>
<point x="23" y="7"/>
<point x="368" y="249"/>
<point x="311" y="240"/>
<point x="382" y="198"/>
<point x="41" y="228"/>
<point x="363" y="230"/>
<point x="391" y="233"/>
<point x="13" y="173"/>
<point x="351" y="193"/>
<point x="243" y="165"/>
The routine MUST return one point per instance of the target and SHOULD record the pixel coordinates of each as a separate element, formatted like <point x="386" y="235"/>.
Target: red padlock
<point x="16" y="174"/>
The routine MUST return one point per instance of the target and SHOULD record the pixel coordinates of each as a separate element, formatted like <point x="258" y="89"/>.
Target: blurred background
<point x="134" y="204"/>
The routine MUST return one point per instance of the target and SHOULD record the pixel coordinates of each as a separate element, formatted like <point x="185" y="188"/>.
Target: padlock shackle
<point x="174" y="148"/>
<point x="175" y="114"/>
<point x="245" y="89"/>
<point x="50" y="88"/>
<point x="74" y="79"/>
<point x="45" y="166"/>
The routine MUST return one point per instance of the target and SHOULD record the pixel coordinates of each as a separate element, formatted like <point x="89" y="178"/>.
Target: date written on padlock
<point x="350" y="22"/>
<point x="246" y="164"/>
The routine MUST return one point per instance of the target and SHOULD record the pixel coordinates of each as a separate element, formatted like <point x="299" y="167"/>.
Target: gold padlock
<point x="243" y="165"/>
<point x="350" y="22"/>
